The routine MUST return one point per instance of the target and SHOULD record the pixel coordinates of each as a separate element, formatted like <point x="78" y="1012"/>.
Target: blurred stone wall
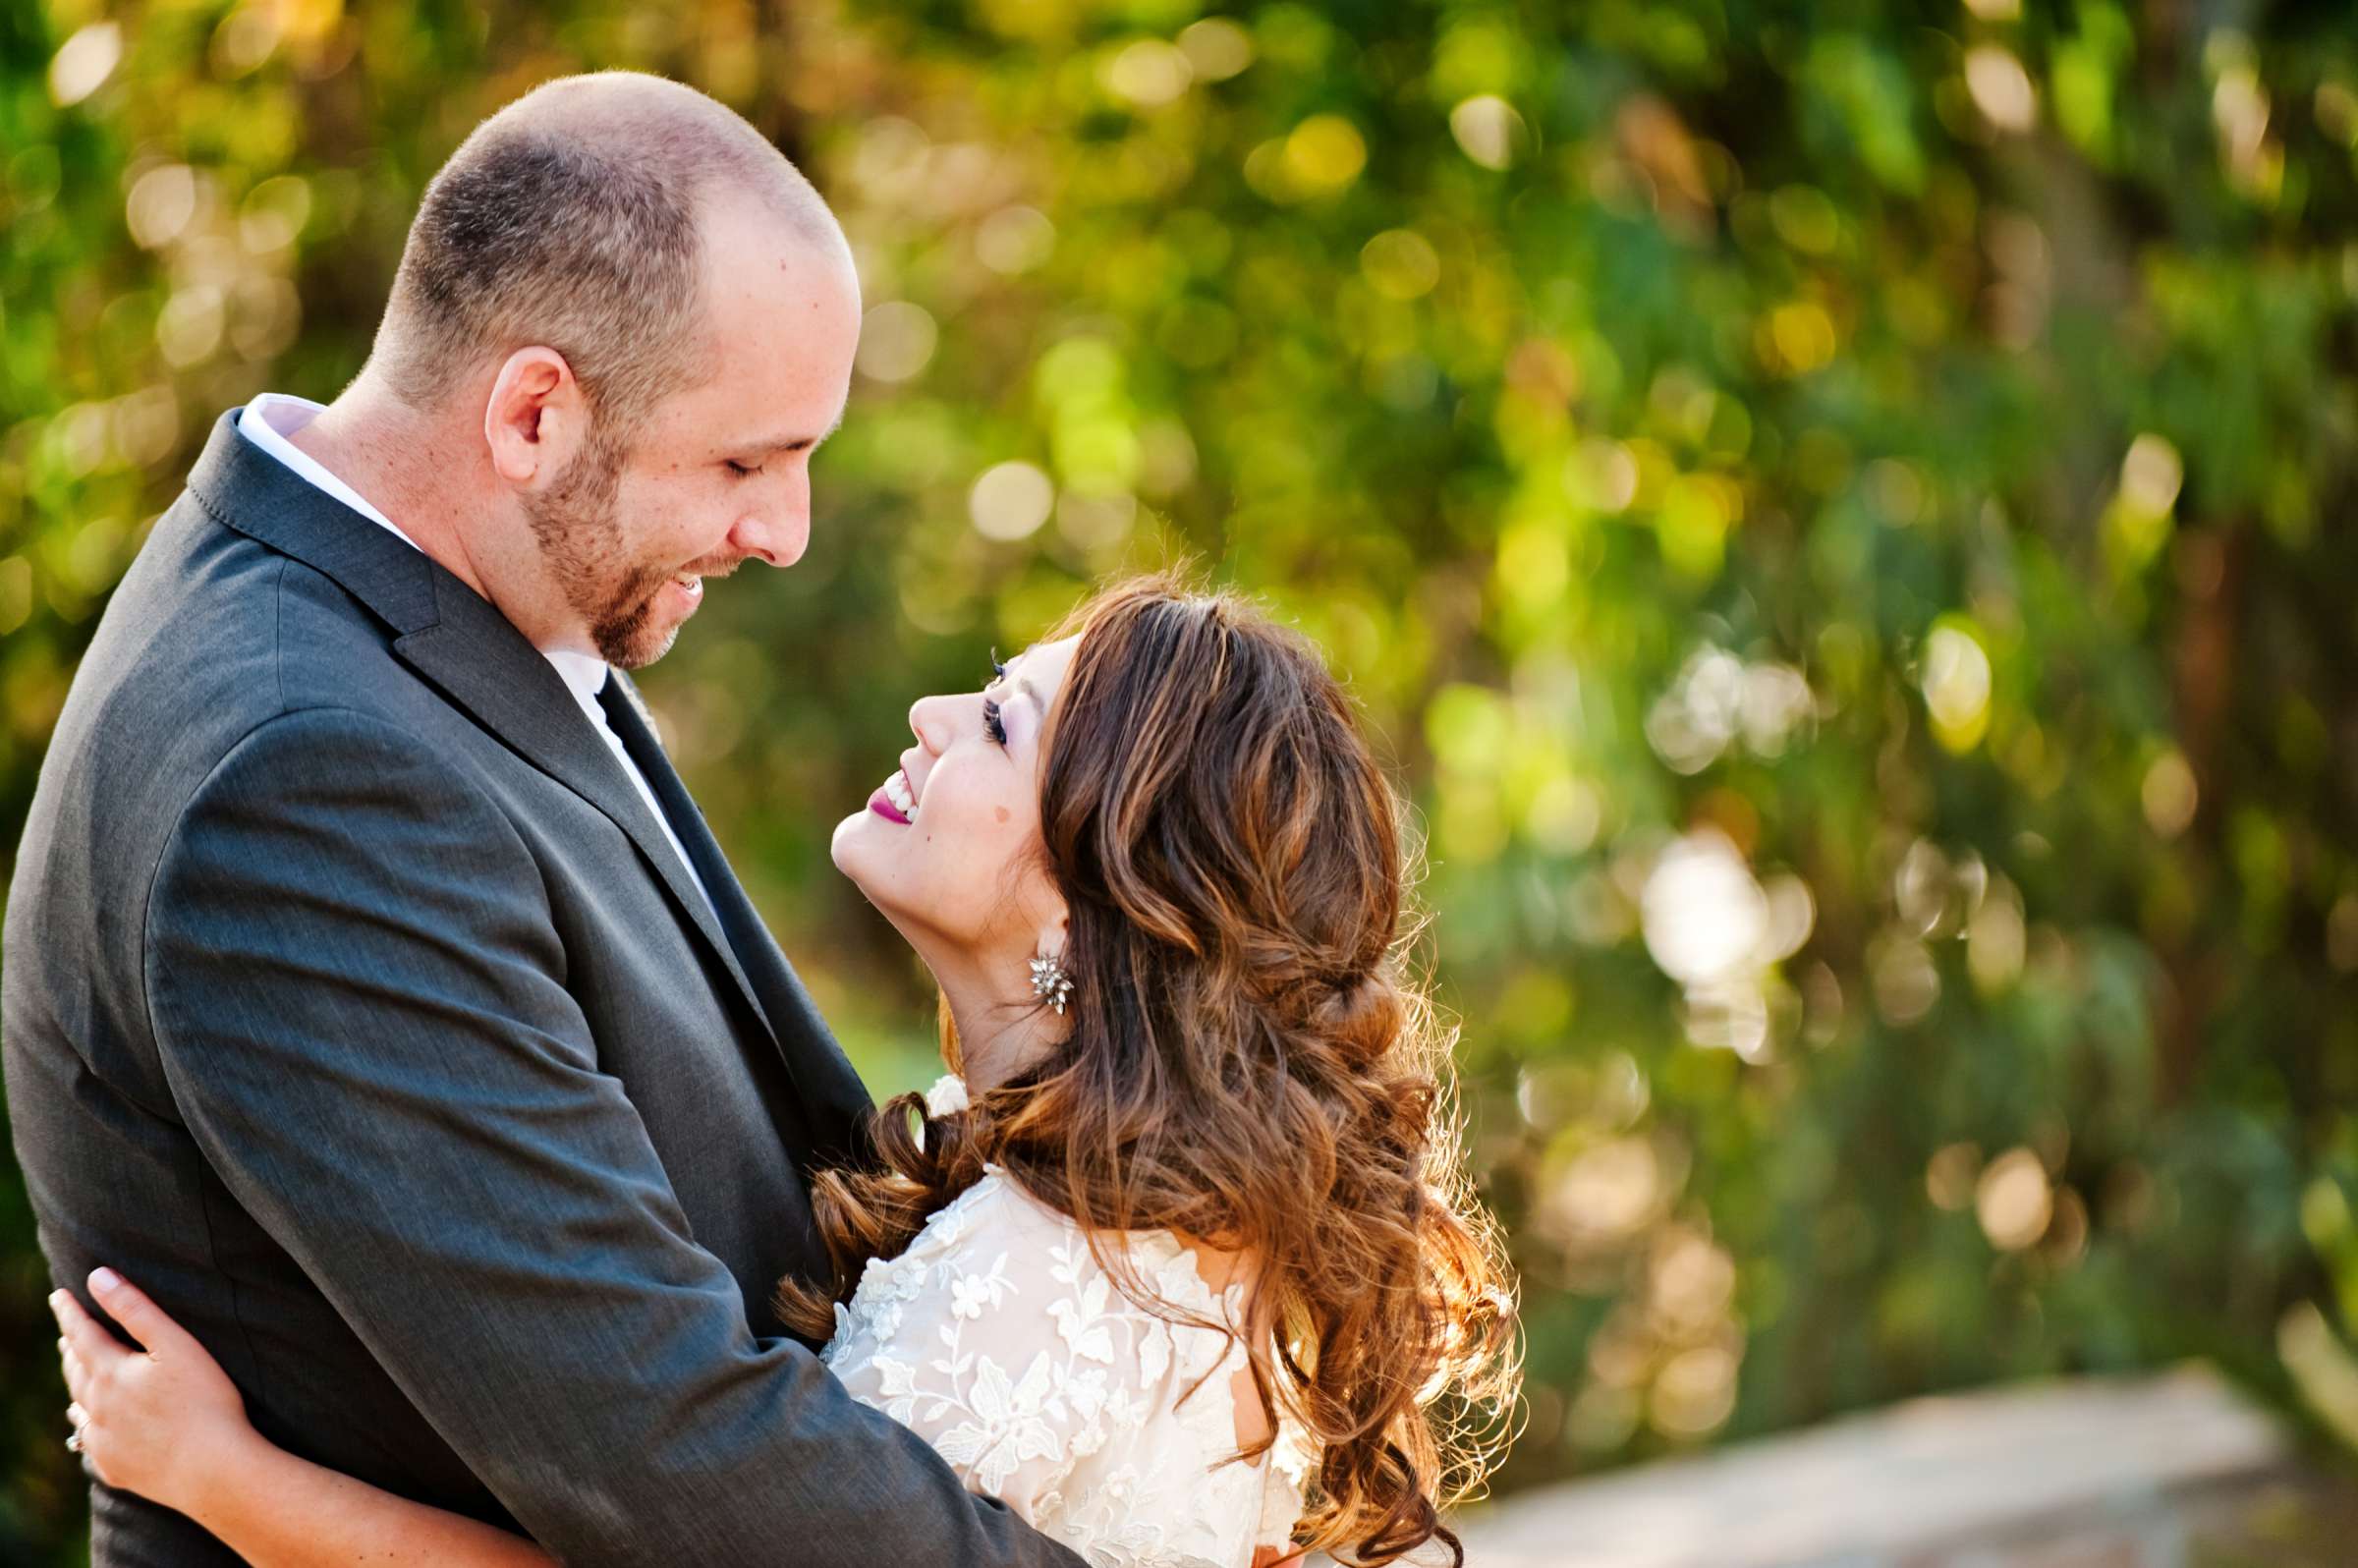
<point x="2169" y="1472"/>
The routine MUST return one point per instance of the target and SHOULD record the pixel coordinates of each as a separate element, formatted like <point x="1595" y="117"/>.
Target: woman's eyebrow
<point x="1026" y="688"/>
<point x="1020" y="684"/>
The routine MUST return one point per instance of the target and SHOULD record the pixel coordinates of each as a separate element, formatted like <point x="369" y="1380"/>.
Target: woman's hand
<point x="164" y="1421"/>
<point x="158" y="1420"/>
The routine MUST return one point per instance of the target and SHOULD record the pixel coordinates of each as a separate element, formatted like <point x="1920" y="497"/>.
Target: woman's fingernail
<point x="104" y="1280"/>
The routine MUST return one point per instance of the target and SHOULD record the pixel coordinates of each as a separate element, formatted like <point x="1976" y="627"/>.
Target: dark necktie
<point x="831" y="1101"/>
<point x="729" y="904"/>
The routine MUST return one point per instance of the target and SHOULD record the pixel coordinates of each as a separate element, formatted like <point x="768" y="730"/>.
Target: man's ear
<point x="535" y="419"/>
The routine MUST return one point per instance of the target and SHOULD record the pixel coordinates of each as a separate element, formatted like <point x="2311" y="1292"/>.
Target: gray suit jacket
<point x="355" y="1005"/>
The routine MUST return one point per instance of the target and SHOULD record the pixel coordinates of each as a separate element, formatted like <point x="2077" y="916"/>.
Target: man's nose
<point x="779" y="531"/>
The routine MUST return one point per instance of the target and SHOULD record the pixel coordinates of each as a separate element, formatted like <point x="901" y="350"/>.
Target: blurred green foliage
<point x="1834" y="510"/>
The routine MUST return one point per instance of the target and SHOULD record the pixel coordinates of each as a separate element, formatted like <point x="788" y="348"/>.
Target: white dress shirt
<point x="274" y="415"/>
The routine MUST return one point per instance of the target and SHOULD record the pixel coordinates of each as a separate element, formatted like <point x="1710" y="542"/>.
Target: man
<point x="375" y="995"/>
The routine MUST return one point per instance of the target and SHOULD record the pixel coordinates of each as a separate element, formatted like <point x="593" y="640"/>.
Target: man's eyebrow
<point x="790" y="443"/>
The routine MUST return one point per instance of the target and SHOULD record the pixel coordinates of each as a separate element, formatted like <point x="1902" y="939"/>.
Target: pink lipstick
<point x="885" y="806"/>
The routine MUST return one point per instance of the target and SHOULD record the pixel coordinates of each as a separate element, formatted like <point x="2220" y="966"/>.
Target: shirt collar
<point x="273" y="417"/>
<point x="584" y="676"/>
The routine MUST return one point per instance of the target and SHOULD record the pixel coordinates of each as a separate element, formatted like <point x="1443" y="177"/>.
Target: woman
<point x="1182" y="1266"/>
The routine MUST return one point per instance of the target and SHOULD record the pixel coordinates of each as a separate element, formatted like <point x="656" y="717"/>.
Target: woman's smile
<point x="895" y="800"/>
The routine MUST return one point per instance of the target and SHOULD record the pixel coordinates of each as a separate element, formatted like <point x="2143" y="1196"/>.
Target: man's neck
<point x="427" y="472"/>
<point x="370" y="440"/>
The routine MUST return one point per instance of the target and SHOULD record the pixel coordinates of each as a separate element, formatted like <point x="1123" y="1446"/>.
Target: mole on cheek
<point x="999" y="812"/>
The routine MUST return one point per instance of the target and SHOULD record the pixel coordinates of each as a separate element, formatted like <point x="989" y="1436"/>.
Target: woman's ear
<point x="1052" y="980"/>
<point x="1054" y="930"/>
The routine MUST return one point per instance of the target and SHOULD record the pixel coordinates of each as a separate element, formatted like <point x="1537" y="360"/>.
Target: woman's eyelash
<point x="741" y="470"/>
<point x="991" y="723"/>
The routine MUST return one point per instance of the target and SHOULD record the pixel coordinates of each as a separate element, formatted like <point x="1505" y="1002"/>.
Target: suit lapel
<point x="513" y="693"/>
<point x="451" y="636"/>
<point x="835" y="1104"/>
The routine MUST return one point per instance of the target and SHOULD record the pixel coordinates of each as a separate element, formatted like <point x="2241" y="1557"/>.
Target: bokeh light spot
<point x="1148" y="72"/>
<point x="83" y="62"/>
<point x="896" y="340"/>
<point x="2169" y="794"/>
<point x="1488" y="129"/>
<point x="2000" y="88"/>
<point x="2014" y="1201"/>
<point x="1010" y="501"/>
<point x="1400" y="264"/>
<point x="1324" y="153"/>
<point x="1956" y="682"/>
<point x="161" y="205"/>
<point x="1014" y="239"/>
<point x="1217" y="48"/>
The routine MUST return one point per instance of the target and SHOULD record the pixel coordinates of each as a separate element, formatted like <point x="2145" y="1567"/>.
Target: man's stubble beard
<point x="576" y="523"/>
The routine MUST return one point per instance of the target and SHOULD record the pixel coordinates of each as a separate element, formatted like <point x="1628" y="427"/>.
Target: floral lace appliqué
<point x="1000" y="1338"/>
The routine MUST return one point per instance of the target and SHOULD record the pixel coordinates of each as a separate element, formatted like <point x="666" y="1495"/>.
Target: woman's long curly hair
<point x="1250" y="1062"/>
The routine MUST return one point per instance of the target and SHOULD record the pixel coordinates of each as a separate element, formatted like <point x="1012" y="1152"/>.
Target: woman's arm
<point x="165" y="1422"/>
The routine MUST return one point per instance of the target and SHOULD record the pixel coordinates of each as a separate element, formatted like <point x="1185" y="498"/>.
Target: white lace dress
<point x="1000" y="1340"/>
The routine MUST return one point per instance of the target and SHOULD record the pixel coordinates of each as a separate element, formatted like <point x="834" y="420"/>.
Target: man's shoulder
<point x="212" y="636"/>
<point x="211" y="642"/>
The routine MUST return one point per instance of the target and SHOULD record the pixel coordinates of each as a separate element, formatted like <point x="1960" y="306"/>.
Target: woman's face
<point x="948" y="847"/>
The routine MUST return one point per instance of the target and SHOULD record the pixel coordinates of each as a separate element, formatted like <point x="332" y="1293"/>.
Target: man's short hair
<point x="570" y="219"/>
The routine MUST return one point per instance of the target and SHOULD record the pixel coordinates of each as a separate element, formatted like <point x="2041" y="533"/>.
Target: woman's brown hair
<point x="1250" y="1062"/>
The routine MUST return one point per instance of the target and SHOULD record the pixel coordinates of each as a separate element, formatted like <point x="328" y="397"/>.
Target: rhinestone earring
<point x="1050" y="983"/>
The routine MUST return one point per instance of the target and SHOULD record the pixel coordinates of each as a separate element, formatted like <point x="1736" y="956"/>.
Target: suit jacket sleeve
<point x="360" y="1003"/>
